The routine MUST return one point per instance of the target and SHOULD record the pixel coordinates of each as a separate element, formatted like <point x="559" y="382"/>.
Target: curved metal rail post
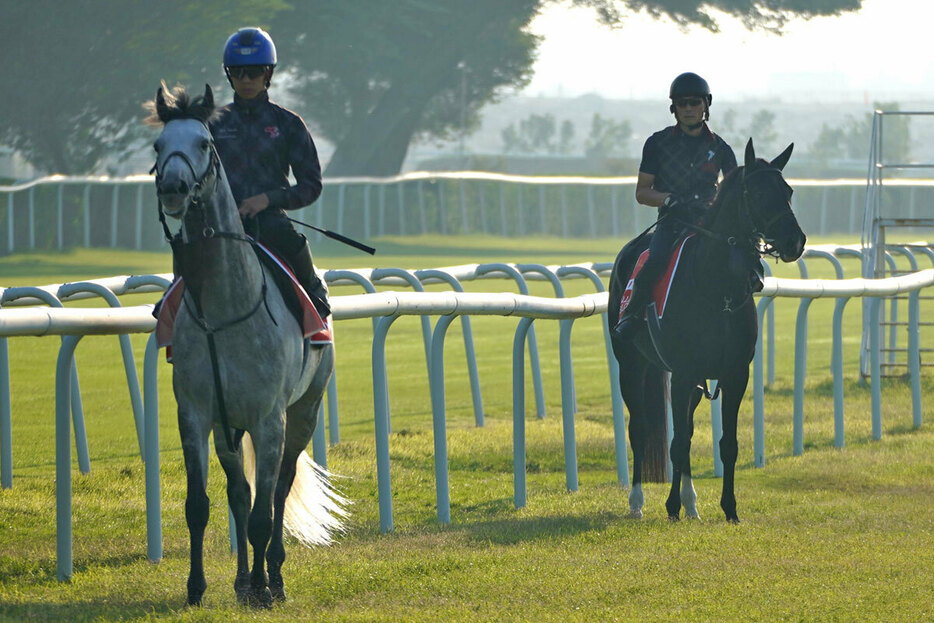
<point x="893" y="314"/>
<point x="836" y="365"/>
<point x="63" y="411"/>
<point x="334" y="435"/>
<point x="567" y="405"/>
<point x="914" y="339"/>
<point x="77" y="410"/>
<point x="875" y="304"/>
<point x="468" y="341"/>
<point x="412" y="280"/>
<point x="758" y="419"/>
<point x="716" y="429"/>
<point x="616" y="396"/>
<point x="770" y="320"/>
<point x="546" y="272"/>
<point x="511" y="271"/>
<point x="6" y="419"/>
<point x="801" y="333"/>
<point x="381" y="421"/>
<point x="126" y="350"/>
<point x="151" y="453"/>
<point x="518" y="412"/>
<point x="438" y="420"/>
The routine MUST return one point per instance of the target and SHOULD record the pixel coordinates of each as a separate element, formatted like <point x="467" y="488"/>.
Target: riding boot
<point x="304" y="269"/>
<point x="632" y="320"/>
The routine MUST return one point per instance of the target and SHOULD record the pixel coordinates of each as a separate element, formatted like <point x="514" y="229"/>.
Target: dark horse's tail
<point x="652" y="425"/>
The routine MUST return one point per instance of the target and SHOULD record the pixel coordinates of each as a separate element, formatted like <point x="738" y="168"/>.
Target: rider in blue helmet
<point x="258" y="143"/>
<point x="679" y="174"/>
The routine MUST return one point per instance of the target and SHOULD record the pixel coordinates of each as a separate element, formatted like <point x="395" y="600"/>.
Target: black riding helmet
<point x="688" y="84"/>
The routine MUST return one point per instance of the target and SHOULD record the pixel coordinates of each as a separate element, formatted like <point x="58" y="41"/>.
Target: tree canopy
<point x="368" y="75"/>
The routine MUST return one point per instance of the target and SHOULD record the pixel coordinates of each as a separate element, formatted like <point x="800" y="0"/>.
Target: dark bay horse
<point x="709" y="326"/>
<point x="241" y="364"/>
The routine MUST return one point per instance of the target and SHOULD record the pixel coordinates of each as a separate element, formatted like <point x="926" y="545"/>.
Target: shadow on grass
<point x="102" y="609"/>
<point x="513" y="530"/>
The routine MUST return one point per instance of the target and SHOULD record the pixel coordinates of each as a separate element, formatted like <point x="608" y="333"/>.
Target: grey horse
<point x="241" y="365"/>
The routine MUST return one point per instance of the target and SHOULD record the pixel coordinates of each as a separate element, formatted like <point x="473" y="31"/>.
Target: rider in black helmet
<point x="678" y="175"/>
<point x="258" y="143"/>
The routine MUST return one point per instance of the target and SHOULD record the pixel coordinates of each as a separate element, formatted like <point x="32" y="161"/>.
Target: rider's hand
<point x="679" y="208"/>
<point x="251" y="206"/>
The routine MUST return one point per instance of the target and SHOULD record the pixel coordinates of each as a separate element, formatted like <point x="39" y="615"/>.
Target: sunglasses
<point x="246" y="71"/>
<point x="685" y="102"/>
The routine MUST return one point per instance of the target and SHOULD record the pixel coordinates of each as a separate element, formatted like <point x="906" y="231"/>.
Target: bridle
<point x="756" y="230"/>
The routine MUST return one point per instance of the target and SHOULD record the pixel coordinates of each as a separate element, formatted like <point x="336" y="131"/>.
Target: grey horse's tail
<point x="314" y="510"/>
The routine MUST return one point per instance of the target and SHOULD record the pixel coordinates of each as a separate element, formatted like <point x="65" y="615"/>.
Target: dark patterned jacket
<point x="258" y="142"/>
<point x="687" y="165"/>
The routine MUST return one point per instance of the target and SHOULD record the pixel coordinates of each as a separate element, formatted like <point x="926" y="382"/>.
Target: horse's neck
<point x="714" y="253"/>
<point x="222" y="273"/>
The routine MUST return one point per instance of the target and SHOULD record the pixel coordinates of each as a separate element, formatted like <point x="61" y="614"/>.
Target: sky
<point x="880" y="52"/>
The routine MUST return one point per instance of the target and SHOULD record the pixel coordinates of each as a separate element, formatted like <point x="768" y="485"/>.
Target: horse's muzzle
<point x="794" y="248"/>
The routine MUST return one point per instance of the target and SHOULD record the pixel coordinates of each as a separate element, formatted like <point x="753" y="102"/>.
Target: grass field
<point x="833" y="535"/>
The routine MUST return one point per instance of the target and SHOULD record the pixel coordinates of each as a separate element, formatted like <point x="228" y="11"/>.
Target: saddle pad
<point x="662" y="286"/>
<point x="313" y="326"/>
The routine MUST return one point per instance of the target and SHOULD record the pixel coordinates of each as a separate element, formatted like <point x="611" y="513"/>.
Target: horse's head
<point x="187" y="165"/>
<point x="767" y="197"/>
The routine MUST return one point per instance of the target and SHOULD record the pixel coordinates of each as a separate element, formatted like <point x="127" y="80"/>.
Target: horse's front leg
<point x="683" y="401"/>
<point x="688" y="494"/>
<point x="732" y="390"/>
<point x="238" y="497"/>
<point x="268" y="441"/>
<point x="194" y="435"/>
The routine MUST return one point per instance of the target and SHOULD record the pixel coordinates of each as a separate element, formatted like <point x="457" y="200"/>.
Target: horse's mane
<point x="178" y="104"/>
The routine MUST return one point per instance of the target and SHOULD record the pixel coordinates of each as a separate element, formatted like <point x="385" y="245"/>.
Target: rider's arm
<point x="645" y="194"/>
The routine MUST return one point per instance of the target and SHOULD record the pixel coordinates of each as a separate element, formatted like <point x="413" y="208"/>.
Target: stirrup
<point x="628" y="325"/>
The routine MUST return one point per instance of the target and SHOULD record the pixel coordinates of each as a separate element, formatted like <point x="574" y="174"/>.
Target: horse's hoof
<point x="259" y="598"/>
<point x="635" y="513"/>
<point x="674" y="518"/>
<point x="196" y="588"/>
<point x="733" y="520"/>
<point x="692" y="516"/>
<point x="277" y="589"/>
<point x="194" y="600"/>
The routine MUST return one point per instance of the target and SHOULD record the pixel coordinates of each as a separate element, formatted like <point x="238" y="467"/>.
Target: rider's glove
<point x="680" y="208"/>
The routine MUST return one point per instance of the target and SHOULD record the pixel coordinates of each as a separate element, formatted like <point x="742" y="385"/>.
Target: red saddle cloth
<point x="313" y="327"/>
<point x="662" y="286"/>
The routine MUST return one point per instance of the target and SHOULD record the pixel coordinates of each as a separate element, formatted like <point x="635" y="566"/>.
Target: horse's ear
<point x="208" y="96"/>
<point x="750" y="154"/>
<point x="782" y="159"/>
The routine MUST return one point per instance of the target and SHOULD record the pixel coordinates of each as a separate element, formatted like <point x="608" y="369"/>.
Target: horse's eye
<point x="155" y="147"/>
<point x="205" y="144"/>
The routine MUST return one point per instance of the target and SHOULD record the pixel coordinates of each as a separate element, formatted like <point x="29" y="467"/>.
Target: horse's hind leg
<point x="194" y="435"/>
<point x="632" y="387"/>
<point x="268" y="443"/>
<point x="238" y="496"/>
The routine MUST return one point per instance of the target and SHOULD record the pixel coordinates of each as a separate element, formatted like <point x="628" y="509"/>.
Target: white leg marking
<point x="689" y="497"/>
<point x="636" y="501"/>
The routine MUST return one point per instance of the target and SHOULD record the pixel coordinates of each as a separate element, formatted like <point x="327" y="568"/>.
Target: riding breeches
<point x="273" y="229"/>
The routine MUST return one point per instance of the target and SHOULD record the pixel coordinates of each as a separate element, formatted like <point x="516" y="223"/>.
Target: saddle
<point x="661" y="288"/>
<point x="316" y="330"/>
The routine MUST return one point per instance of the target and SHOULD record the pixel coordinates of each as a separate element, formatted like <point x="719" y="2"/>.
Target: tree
<point x="607" y="137"/>
<point x="368" y="75"/>
<point x="75" y="73"/>
<point x="762" y="130"/>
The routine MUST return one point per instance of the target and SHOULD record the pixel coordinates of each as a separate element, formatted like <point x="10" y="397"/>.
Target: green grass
<point x="833" y="535"/>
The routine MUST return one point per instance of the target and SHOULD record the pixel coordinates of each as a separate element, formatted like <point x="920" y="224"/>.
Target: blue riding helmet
<point x="250" y="46"/>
